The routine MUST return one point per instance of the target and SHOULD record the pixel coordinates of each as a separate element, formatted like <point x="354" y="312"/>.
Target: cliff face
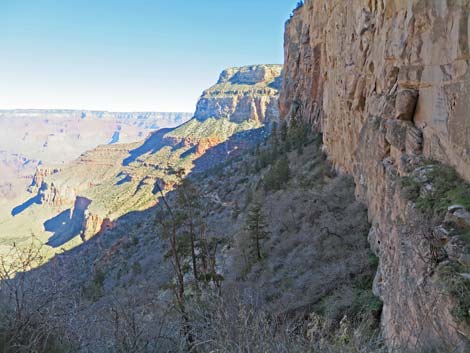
<point x="387" y="84"/>
<point x="246" y="92"/>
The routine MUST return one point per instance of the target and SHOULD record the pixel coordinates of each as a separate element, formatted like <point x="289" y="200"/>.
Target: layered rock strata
<point x="249" y="92"/>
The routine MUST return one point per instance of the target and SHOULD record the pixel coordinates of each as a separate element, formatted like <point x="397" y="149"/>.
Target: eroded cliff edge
<point x="386" y="82"/>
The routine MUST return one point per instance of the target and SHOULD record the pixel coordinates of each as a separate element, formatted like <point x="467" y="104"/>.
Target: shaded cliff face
<point x="249" y="92"/>
<point x="386" y="82"/>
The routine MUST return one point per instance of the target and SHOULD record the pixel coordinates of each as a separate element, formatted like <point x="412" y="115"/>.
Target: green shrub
<point x="94" y="290"/>
<point x="447" y="188"/>
<point x="373" y="261"/>
<point x="136" y="268"/>
<point x="458" y="287"/>
<point x="465" y="236"/>
<point x="411" y="188"/>
<point x="298" y="135"/>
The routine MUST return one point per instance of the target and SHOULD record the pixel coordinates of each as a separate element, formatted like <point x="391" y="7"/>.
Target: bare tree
<point x="169" y="222"/>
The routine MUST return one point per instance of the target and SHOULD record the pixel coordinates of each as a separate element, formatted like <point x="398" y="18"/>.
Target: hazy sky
<point x="130" y="55"/>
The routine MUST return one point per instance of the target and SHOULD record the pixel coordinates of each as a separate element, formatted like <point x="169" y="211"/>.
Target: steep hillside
<point x="385" y="82"/>
<point x="308" y="290"/>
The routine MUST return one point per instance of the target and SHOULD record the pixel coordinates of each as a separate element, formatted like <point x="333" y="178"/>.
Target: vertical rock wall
<point x="386" y="81"/>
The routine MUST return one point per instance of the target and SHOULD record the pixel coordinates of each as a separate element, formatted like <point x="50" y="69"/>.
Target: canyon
<point x="37" y="143"/>
<point x="60" y="136"/>
<point x="353" y="156"/>
<point x="118" y="178"/>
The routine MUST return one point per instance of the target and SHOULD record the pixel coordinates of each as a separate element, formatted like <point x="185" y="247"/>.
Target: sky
<point x="130" y="55"/>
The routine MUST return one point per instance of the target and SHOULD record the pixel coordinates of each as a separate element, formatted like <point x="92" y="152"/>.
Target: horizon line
<point x="95" y="110"/>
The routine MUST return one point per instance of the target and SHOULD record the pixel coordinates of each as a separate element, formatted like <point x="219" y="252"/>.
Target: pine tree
<point x="285" y="137"/>
<point x="278" y="175"/>
<point x="257" y="151"/>
<point x="297" y="135"/>
<point x="188" y="208"/>
<point x="282" y="170"/>
<point x="283" y="132"/>
<point x="169" y="222"/>
<point x="236" y="210"/>
<point x="248" y="196"/>
<point x="256" y="227"/>
<point x="274" y="133"/>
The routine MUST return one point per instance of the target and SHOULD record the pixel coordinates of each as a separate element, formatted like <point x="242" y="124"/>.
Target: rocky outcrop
<point x="40" y="176"/>
<point x="206" y="144"/>
<point x="243" y="93"/>
<point x="386" y="82"/>
<point x="94" y="225"/>
<point x="386" y="59"/>
<point x="54" y="196"/>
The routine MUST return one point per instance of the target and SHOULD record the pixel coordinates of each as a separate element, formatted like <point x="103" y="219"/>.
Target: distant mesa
<point x="251" y="75"/>
<point x="60" y="136"/>
<point x="241" y="93"/>
<point x="243" y="98"/>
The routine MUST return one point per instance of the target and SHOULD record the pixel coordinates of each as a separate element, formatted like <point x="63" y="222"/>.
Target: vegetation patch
<point x="457" y="285"/>
<point x="361" y="305"/>
<point x="94" y="290"/>
<point x="434" y="187"/>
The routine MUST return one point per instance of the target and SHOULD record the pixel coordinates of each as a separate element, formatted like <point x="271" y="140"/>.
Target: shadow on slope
<point x="25" y="205"/>
<point x="234" y="146"/>
<point x="151" y="145"/>
<point x="125" y="179"/>
<point x="68" y="224"/>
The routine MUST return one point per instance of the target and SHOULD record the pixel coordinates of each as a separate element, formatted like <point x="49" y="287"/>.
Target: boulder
<point x="458" y="216"/>
<point x="405" y="104"/>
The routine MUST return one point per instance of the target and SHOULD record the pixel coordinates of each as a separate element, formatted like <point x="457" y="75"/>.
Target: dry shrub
<point x="28" y="315"/>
